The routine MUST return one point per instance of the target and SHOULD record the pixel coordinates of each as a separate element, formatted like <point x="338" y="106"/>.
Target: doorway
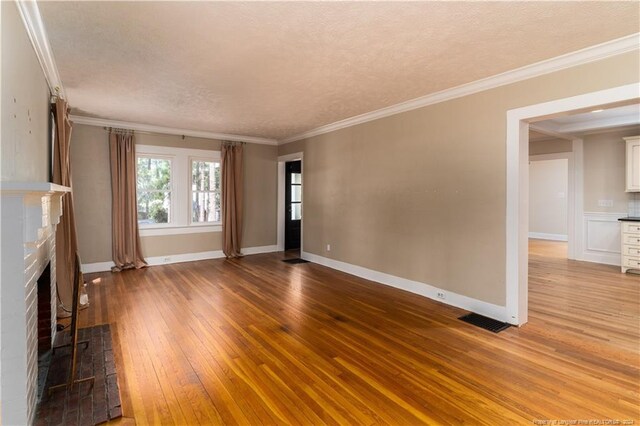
<point x="555" y="191"/>
<point x="517" y="240"/>
<point x="290" y="213"/>
<point x="548" y="196"/>
<point x="293" y="204"/>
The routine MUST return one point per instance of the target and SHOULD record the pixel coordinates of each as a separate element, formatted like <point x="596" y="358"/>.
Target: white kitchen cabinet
<point x="633" y="163"/>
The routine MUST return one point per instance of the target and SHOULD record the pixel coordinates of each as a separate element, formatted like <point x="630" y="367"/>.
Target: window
<point x="205" y="191"/>
<point x="296" y="196"/>
<point x="153" y="190"/>
<point x="178" y="190"/>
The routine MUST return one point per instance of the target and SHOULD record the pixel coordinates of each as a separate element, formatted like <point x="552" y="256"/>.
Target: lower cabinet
<point x="630" y="246"/>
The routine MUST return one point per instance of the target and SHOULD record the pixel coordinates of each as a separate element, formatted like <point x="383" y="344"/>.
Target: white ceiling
<point x="276" y="69"/>
<point x="592" y="121"/>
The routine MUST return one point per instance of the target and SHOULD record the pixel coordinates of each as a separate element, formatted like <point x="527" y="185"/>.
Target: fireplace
<point x="30" y="212"/>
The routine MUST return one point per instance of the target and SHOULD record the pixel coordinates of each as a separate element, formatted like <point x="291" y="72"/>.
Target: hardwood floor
<point x="258" y="341"/>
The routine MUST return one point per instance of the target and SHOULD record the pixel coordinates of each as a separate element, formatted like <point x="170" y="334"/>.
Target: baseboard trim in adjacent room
<point x="545" y="236"/>
<point x="603" y="258"/>
<point x="88" y="268"/>
<point x="478" y="306"/>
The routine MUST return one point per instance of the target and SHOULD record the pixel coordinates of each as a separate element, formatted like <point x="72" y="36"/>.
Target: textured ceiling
<point x="276" y="69"/>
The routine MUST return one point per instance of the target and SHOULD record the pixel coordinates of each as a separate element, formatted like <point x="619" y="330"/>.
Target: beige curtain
<point x="126" y="251"/>
<point x="66" y="237"/>
<point x="232" y="192"/>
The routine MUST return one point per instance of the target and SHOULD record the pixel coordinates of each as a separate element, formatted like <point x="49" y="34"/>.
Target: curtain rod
<point x="117" y="130"/>
<point x="142" y="132"/>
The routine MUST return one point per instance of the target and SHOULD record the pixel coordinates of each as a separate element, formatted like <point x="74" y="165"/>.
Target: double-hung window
<point x="178" y="190"/>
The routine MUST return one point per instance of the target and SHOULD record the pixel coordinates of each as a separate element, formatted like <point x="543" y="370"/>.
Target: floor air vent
<point x="297" y="260"/>
<point x="484" y="322"/>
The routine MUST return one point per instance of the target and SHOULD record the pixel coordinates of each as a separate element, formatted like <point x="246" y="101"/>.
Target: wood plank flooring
<point x="258" y="341"/>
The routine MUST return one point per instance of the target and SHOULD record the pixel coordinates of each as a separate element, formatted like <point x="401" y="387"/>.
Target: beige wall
<point x="548" y="197"/>
<point x="421" y="195"/>
<point x="604" y="171"/>
<point x="550" y="146"/>
<point x="91" y="180"/>
<point x="92" y="189"/>
<point x="25" y="146"/>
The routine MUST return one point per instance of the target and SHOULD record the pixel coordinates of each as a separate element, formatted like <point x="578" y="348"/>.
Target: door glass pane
<point x="205" y="207"/>
<point x="296" y="211"/>
<point x="296" y="178"/>
<point x="296" y="193"/>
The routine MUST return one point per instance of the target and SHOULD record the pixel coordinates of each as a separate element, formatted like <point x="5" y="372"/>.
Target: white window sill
<point x="177" y="230"/>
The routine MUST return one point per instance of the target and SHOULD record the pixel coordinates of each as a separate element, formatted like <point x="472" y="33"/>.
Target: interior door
<point x="293" y="204"/>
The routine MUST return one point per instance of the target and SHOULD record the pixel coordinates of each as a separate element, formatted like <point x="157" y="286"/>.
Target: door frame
<point x="281" y="190"/>
<point x="517" y="208"/>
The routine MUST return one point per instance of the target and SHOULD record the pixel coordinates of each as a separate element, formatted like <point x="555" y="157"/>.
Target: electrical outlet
<point x="328" y="247"/>
<point x="441" y="295"/>
<point x="605" y="203"/>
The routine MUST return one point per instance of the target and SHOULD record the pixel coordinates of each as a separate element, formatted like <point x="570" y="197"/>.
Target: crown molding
<point x="149" y="128"/>
<point x="583" y="56"/>
<point x="32" y="20"/>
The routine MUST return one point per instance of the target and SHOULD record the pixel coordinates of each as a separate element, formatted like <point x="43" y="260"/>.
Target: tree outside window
<point x="205" y="191"/>
<point x="153" y="190"/>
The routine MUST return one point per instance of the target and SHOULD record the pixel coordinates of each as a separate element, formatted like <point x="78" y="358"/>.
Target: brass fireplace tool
<point x="73" y="331"/>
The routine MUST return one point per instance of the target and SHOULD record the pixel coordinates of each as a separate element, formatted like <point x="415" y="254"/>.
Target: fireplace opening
<point x="44" y="327"/>
<point x="44" y="310"/>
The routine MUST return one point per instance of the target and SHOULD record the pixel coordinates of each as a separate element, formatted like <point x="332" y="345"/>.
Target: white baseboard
<point x="187" y="257"/>
<point x="483" y="308"/>
<point x="88" y="268"/>
<point x="545" y="236"/>
<point x="260" y="250"/>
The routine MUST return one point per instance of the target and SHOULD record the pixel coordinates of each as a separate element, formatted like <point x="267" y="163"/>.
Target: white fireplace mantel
<point x="26" y="187"/>
<point x="29" y="214"/>
<point x="42" y="203"/>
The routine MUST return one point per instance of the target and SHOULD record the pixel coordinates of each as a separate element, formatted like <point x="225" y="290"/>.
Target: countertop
<point x="630" y="219"/>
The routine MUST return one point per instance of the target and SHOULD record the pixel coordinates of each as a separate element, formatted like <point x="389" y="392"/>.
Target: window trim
<point x="180" y="189"/>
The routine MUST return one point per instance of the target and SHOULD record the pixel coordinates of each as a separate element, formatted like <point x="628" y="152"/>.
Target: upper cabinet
<point x="633" y="163"/>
